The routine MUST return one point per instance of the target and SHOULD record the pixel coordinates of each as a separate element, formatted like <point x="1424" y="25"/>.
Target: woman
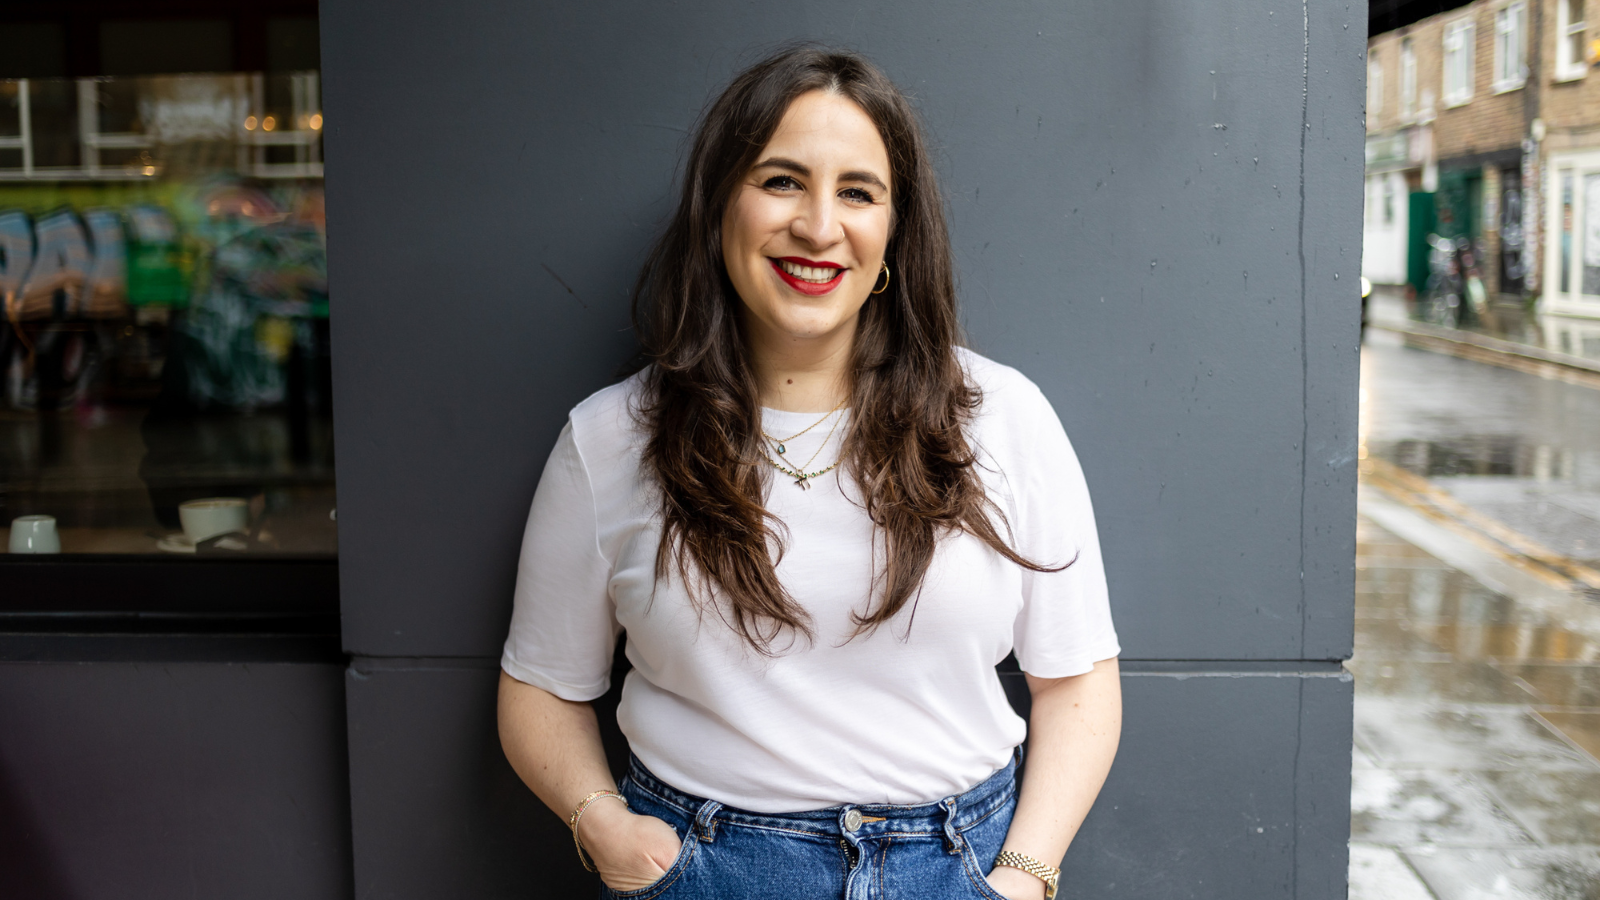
<point x="821" y="524"/>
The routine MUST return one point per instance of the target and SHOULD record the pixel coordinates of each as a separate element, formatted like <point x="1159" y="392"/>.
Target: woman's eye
<point x="780" y="183"/>
<point x="857" y="195"/>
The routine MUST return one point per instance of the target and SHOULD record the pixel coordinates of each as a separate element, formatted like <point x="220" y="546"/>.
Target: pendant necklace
<point x="801" y="477"/>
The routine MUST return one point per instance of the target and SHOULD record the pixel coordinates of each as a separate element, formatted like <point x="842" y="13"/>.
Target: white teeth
<point x="809" y="273"/>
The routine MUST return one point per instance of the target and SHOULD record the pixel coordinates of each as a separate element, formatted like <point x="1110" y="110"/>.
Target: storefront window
<point x="164" y="369"/>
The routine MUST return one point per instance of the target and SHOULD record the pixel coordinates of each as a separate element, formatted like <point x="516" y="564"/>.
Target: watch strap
<point x="1050" y="875"/>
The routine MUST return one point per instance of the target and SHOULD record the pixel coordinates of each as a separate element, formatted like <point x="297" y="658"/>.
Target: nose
<point x="815" y="222"/>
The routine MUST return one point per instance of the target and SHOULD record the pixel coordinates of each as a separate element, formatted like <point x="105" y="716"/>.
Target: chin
<point x="808" y="327"/>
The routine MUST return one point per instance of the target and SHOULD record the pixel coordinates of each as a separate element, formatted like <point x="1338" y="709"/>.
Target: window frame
<point x="1463" y="30"/>
<point x="1374" y="84"/>
<point x="1510" y="47"/>
<point x="1408" y="80"/>
<point x="1568" y="68"/>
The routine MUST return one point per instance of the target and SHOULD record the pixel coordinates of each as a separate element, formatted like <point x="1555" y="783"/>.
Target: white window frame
<point x="1459" y="38"/>
<point x="1510" y="47"/>
<point x="1408" y="79"/>
<point x="1567" y="67"/>
<point x="1374" y="84"/>
<point x="1572" y="302"/>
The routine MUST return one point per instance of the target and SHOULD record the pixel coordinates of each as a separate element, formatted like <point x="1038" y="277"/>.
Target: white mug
<point x="204" y="519"/>
<point x="35" y="534"/>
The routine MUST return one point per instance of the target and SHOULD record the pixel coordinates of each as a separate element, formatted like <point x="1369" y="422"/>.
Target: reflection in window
<point x="1566" y="231"/>
<point x="163" y="269"/>
<point x="1591" y="234"/>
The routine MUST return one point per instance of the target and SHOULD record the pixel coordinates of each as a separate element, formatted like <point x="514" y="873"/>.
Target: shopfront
<point x="169" y="631"/>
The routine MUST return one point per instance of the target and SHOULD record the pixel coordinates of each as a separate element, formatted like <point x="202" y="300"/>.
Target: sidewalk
<point x="1477" y="652"/>
<point x="1477" y="724"/>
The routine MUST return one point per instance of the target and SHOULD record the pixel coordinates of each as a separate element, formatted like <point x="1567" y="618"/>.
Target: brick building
<point x="1484" y="121"/>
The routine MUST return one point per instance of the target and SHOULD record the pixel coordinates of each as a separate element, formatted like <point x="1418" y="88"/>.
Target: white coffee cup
<point x="205" y="519"/>
<point x="35" y="534"/>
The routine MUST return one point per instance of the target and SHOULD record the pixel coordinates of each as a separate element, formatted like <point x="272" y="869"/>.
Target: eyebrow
<point x="783" y="162"/>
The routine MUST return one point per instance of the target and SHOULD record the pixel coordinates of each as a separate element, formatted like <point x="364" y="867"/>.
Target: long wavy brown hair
<point x="905" y="447"/>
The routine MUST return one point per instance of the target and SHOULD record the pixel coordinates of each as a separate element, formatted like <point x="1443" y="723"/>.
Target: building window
<point x="1374" y="85"/>
<point x="1566" y="231"/>
<point x="1388" y="199"/>
<point x="1570" y="30"/>
<point x="1408" y="80"/>
<point x="1591" y="234"/>
<point x="1510" y="43"/>
<point x="1458" y="62"/>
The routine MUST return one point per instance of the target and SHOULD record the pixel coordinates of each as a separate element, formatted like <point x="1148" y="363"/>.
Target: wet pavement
<point x="1477" y="654"/>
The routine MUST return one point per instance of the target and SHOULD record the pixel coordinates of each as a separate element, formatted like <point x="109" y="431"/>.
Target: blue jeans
<point x="871" y="852"/>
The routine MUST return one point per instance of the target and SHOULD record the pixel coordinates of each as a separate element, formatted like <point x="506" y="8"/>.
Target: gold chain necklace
<point x="800" y="476"/>
<point x="779" y="443"/>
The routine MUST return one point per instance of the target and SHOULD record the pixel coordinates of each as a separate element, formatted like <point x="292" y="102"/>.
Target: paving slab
<point x="1429" y="807"/>
<point x="1498" y="874"/>
<point x="1424" y="734"/>
<point x="1381" y="873"/>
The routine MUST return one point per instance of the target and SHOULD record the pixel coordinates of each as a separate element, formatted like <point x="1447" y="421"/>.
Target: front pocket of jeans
<point x="673" y="874"/>
<point x="977" y="874"/>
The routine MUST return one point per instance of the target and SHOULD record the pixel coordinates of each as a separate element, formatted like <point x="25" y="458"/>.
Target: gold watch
<point x="1050" y="875"/>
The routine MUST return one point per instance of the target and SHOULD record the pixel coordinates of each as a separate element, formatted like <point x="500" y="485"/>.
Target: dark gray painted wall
<point x="1132" y="188"/>
<point x="132" y="780"/>
<point x="1156" y="216"/>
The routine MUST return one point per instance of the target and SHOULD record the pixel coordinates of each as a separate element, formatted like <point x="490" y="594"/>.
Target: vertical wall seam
<point x="1305" y="364"/>
<point x="1305" y="434"/>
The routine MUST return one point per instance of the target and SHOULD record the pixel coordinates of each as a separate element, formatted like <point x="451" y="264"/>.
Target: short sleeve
<point x="563" y="624"/>
<point x="1065" y="624"/>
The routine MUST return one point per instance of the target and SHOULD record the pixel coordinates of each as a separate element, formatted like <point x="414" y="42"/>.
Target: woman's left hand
<point x="1015" y="884"/>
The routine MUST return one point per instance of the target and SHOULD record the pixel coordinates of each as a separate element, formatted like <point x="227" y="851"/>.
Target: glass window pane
<point x="1566" y="231"/>
<point x="1591" y="234"/>
<point x="164" y="366"/>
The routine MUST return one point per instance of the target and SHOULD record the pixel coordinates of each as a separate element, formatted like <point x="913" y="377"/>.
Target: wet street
<point x="1477" y="651"/>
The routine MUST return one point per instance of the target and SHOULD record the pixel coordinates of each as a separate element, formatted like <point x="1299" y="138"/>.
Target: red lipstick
<point x="809" y="288"/>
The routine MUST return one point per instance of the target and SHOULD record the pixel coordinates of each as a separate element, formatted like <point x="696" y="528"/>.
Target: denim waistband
<point x="954" y="813"/>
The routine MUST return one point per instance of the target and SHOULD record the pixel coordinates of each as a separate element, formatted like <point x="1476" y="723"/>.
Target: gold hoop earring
<point x="879" y="290"/>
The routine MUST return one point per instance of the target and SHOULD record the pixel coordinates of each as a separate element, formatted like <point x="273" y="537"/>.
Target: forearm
<point x="553" y="744"/>
<point x="1072" y="737"/>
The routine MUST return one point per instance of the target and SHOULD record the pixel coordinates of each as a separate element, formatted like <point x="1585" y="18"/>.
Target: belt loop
<point x="705" y="822"/>
<point x="952" y="838"/>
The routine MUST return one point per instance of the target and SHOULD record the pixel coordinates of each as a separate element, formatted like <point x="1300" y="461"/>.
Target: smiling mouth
<point x="809" y="274"/>
<point x="808" y="279"/>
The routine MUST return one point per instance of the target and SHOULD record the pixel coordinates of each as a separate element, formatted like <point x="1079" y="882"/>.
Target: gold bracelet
<point x="1050" y="875"/>
<point x="572" y="822"/>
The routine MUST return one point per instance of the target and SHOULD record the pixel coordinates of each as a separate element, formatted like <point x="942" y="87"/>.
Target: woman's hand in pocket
<point x="631" y="851"/>
<point x="1015" y="884"/>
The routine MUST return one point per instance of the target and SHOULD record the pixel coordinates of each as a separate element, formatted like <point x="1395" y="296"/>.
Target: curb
<point x="1435" y="503"/>
<point x="1497" y="352"/>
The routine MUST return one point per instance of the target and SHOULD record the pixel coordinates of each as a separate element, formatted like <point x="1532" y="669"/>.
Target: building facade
<point x="1484" y="122"/>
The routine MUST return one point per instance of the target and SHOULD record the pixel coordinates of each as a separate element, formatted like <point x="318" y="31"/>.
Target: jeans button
<point x="852" y="820"/>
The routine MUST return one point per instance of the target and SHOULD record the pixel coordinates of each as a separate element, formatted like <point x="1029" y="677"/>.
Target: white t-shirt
<point x="910" y="713"/>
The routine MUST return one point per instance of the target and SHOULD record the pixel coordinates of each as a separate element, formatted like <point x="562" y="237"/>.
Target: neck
<point x="802" y="375"/>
